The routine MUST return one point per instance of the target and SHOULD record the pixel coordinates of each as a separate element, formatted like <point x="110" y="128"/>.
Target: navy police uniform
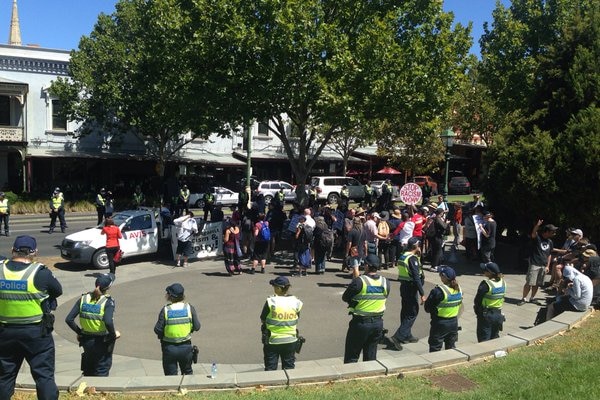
<point x="28" y="293"/>
<point x="174" y="327"/>
<point x="366" y="296"/>
<point x="488" y="304"/>
<point x="279" y="319"/>
<point x="97" y="332"/>
<point x="444" y="304"/>
<point x="411" y="279"/>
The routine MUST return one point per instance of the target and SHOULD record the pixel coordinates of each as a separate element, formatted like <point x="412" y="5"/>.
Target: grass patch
<point x="563" y="367"/>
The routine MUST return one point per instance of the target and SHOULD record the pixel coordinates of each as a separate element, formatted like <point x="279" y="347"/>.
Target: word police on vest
<point x="175" y="290"/>
<point x="25" y="243"/>
<point x="20" y="286"/>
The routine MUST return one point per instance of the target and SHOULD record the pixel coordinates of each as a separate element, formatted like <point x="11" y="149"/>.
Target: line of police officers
<point x="28" y="292"/>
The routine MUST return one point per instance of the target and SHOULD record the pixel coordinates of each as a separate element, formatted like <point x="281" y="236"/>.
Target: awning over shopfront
<point x="215" y="159"/>
<point x="280" y="156"/>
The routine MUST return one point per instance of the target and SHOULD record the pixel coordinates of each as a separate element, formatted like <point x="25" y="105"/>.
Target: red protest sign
<point x="410" y="193"/>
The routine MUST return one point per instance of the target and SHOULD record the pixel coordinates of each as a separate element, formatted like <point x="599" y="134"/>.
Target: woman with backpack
<point x="262" y="237"/>
<point x="322" y="244"/>
<point x="304" y="238"/>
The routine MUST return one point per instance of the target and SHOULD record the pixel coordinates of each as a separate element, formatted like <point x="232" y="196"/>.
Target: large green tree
<point x="134" y="74"/>
<point x="540" y="62"/>
<point x="315" y="67"/>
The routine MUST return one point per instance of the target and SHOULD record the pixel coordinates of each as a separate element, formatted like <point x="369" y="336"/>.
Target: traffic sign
<point x="410" y="193"/>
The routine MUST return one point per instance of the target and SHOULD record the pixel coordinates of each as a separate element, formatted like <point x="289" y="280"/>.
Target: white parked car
<point x="223" y="196"/>
<point x="329" y="187"/>
<point x="269" y="188"/>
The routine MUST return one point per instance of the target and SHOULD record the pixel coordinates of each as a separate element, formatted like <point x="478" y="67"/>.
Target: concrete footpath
<point x="229" y="308"/>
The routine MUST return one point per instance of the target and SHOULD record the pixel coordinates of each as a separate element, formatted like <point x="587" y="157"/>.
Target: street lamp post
<point x="448" y="140"/>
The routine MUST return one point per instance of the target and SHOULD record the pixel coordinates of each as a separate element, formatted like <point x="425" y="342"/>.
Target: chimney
<point x="14" y="37"/>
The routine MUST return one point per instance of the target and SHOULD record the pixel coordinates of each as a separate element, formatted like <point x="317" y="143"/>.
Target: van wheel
<point x="268" y="199"/>
<point x="100" y="259"/>
<point x="333" y="198"/>
<point x="200" y="204"/>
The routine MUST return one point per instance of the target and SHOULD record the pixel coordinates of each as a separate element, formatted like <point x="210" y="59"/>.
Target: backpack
<point x="307" y="234"/>
<point x="326" y="238"/>
<point x="383" y="228"/>
<point x="265" y="232"/>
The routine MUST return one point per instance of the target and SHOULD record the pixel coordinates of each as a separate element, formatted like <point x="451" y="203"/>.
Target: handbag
<point x="118" y="256"/>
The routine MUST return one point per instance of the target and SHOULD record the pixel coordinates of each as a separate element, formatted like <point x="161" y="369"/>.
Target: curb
<point x="318" y="371"/>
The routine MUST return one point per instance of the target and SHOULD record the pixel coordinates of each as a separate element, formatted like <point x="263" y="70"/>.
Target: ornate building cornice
<point x="34" y="65"/>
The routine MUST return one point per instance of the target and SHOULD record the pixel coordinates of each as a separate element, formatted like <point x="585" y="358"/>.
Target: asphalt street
<point x="228" y="307"/>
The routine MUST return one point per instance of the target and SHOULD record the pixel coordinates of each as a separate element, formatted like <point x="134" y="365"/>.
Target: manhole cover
<point x="452" y="382"/>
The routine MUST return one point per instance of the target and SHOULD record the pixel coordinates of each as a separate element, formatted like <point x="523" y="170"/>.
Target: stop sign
<point x="410" y="193"/>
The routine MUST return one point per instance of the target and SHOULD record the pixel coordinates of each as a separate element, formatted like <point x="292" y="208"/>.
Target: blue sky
<point x="58" y="24"/>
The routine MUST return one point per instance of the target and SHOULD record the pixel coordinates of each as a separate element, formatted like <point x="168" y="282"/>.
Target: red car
<point x="421" y="179"/>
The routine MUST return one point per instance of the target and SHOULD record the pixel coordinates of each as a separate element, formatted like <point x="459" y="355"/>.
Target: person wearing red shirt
<point x="113" y="234"/>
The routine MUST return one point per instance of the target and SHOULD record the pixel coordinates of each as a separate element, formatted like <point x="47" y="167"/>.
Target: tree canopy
<point x="540" y="62"/>
<point x="313" y="68"/>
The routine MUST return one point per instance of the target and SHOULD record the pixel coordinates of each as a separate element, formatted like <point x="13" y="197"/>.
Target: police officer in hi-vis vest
<point x="176" y="322"/>
<point x="366" y="296"/>
<point x="488" y="302"/>
<point x="410" y="275"/>
<point x="4" y="213"/>
<point x="100" y="205"/>
<point x="28" y="293"/>
<point x="97" y="334"/>
<point x="57" y="209"/>
<point x="443" y="303"/>
<point x="184" y="200"/>
<point x="279" y="322"/>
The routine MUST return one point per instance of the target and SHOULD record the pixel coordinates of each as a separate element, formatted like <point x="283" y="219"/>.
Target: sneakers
<point x="411" y="339"/>
<point x="434" y="269"/>
<point x="396" y="343"/>
<point x="262" y="270"/>
<point x="523" y="301"/>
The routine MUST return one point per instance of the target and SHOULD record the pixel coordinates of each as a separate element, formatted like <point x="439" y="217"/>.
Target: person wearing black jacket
<point x="26" y="325"/>
<point x="436" y="242"/>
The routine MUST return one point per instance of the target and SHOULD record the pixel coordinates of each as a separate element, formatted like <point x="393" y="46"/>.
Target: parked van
<point x="329" y="188"/>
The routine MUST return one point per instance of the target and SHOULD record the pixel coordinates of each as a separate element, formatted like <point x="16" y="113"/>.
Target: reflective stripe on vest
<point x="178" y="323"/>
<point x="185" y="194"/>
<point x="280" y="196"/>
<point x="371" y="298"/>
<point x="403" y="270"/>
<point x="283" y="318"/>
<point x="91" y="315"/>
<point x="101" y="200"/>
<point x="20" y="300"/>
<point x="3" y="206"/>
<point x="450" y="305"/>
<point x="56" y="202"/>
<point x="494" y="297"/>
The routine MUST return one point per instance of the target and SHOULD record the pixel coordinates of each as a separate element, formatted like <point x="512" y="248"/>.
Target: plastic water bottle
<point x="213" y="370"/>
<point x="500" y="354"/>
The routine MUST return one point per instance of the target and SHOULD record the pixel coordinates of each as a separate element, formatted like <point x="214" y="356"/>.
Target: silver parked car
<point x="269" y="188"/>
<point x="222" y="195"/>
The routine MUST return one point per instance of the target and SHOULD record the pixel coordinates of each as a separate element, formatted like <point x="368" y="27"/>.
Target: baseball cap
<point x="104" y="281"/>
<point x="549" y="227"/>
<point x="490" y="266"/>
<point x="175" y="290"/>
<point x="375" y="215"/>
<point x="447" y="271"/>
<point x="413" y="241"/>
<point x="372" y="260"/>
<point x="280" y="281"/>
<point x="25" y="242"/>
<point x="577" y="232"/>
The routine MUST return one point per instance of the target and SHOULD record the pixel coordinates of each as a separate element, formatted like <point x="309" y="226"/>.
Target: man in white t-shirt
<point x="309" y="219"/>
<point x="187" y="229"/>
